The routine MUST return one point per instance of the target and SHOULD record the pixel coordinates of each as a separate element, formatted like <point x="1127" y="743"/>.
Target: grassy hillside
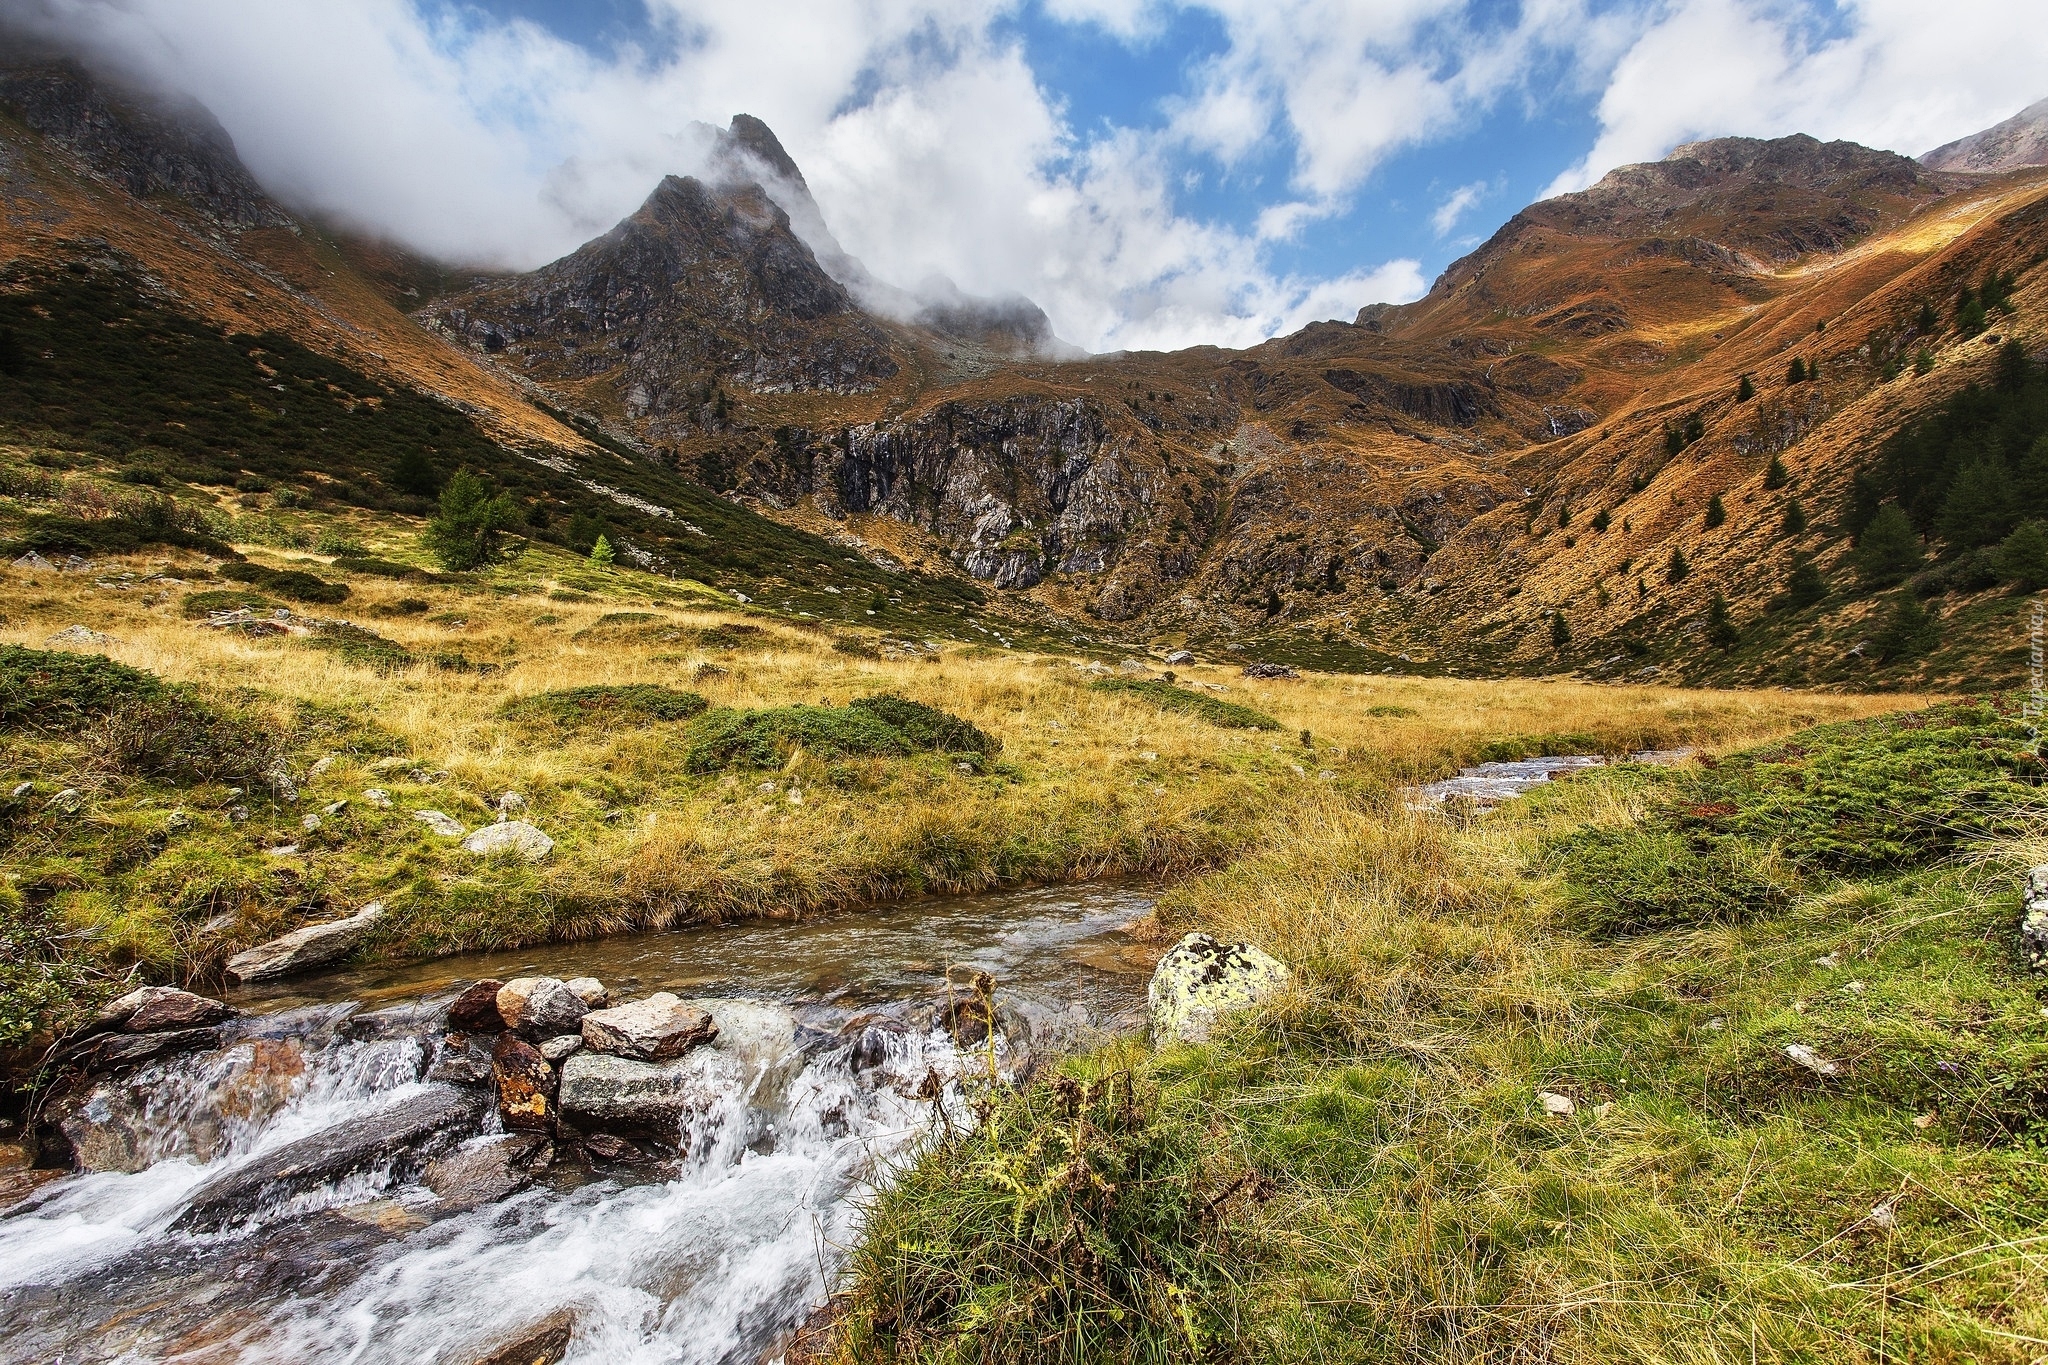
<point x="1739" y="1061"/>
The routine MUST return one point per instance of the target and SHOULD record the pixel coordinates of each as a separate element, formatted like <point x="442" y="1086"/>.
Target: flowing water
<point x="708" y="1252"/>
<point x="1489" y="784"/>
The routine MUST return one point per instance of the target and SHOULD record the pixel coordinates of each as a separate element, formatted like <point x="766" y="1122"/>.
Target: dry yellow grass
<point x="1090" y="783"/>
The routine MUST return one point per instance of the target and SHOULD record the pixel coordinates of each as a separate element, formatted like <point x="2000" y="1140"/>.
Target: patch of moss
<point x="200" y="605"/>
<point x="295" y="584"/>
<point x="56" y="690"/>
<point x="873" y="727"/>
<point x="1166" y="696"/>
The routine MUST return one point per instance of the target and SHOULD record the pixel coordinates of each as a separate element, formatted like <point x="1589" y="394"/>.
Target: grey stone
<point x="600" y="1090"/>
<point x="33" y="563"/>
<point x="540" y="1006"/>
<point x="510" y="836"/>
<point x="79" y="637"/>
<point x="650" y="1030"/>
<point x="1180" y="656"/>
<point x="398" y="1135"/>
<point x="378" y="797"/>
<point x="1201" y="980"/>
<point x="67" y="802"/>
<point x="440" y="823"/>
<point x="153" y="1009"/>
<point x="589" y="990"/>
<point x="301" y="950"/>
<point x="558" y="1050"/>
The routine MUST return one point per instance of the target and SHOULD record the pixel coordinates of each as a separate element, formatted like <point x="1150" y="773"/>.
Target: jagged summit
<point x="2020" y="141"/>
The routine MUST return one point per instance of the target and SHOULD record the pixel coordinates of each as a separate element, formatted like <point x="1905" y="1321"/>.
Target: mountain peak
<point x="753" y="136"/>
<point x="2021" y="140"/>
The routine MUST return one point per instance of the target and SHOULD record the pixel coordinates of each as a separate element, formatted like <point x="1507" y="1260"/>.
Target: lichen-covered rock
<point x="1202" y="979"/>
<point x="526" y="1086"/>
<point x="2034" y="918"/>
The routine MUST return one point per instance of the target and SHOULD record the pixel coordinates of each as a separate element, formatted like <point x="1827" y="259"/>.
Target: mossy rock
<point x="605" y="707"/>
<point x="1167" y="697"/>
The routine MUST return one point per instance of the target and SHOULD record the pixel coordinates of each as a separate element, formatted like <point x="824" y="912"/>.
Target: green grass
<point x="1166" y="696"/>
<point x="1363" y="1172"/>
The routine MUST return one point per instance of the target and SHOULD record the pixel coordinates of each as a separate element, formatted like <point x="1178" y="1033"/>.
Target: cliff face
<point x="149" y="147"/>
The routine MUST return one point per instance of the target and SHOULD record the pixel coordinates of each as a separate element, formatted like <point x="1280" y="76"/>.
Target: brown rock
<point x="526" y="1086"/>
<point x="476" y="1009"/>
<point x="540" y="1343"/>
<point x="483" y="1175"/>
<point x="540" y="1006"/>
<point x="605" y="1147"/>
<point x="154" y="1009"/>
<point x="650" y="1030"/>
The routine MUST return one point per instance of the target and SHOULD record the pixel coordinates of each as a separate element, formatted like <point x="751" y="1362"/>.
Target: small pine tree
<point x="1776" y="475"/>
<point x="1564" y="515"/>
<point x="1678" y="570"/>
<point x="1745" y="390"/>
<point x="602" y="554"/>
<point x="1601" y="521"/>
<point x="2022" y="558"/>
<point x="1910" y="632"/>
<point x="1560" y="631"/>
<point x="1805" y="586"/>
<point x="1888" y="549"/>
<point x="1721" y="631"/>
<point x="469" y="530"/>
<point x="1923" y="363"/>
<point x="1716" y="513"/>
<point x="585" y="530"/>
<point x="2014" y="369"/>
<point x="1970" y="315"/>
<point x="1795" y="518"/>
<point x="1795" y="373"/>
<point x="1927" y="322"/>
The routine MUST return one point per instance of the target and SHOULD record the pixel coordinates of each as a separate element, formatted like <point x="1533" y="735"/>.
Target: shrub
<point x="1228" y="715"/>
<point x="199" y="605"/>
<point x="296" y="584"/>
<point x="384" y="568"/>
<point x="1632" y="881"/>
<point x="39" y="988"/>
<point x="605" y="707"/>
<point x="872" y="727"/>
<point x="173" y="735"/>
<point x="1804" y="587"/>
<point x="1909" y="632"/>
<point x="60" y="691"/>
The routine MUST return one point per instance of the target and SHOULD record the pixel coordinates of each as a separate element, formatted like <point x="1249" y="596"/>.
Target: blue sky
<point x="1154" y="173"/>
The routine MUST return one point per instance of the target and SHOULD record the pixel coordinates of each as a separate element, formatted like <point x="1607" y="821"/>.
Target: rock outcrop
<point x="1201" y="980"/>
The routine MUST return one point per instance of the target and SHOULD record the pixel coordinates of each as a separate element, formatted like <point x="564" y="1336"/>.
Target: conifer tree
<point x="1745" y="390"/>
<point x="412" y="472"/>
<point x="1601" y="521"/>
<point x="469" y="530"/>
<point x="1677" y="570"/>
<point x="1795" y="373"/>
<point x="1560" y="631"/>
<point x="1716" y="513"/>
<point x="1927" y="322"/>
<point x="1795" y="518"/>
<point x="1909" y="632"/>
<point x="2022" y="558"/>
<point x="1888" y="549"/>
<point x="1721" y="631"/>
<point x="1776" y="475"/>
<point x="1979" y="507"/>
<point x="1804" y="586"/>
<point x="601" y="553"/>
<point x="1923" y="363"/>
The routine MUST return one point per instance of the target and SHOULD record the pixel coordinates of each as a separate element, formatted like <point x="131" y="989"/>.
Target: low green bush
<point x="1632" y="881"/>
<point x="373" y="567"/>
<point x="199" y="605"/>
<point x="872" y="727"/>
<point x="1167" y="697"/>
<point x="295" y="584"/>
<point x="605" y="707"/>
<point x="60" y="691"/>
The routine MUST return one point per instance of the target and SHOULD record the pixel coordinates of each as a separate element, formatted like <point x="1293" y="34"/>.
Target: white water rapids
<point x="711" y="1253"/>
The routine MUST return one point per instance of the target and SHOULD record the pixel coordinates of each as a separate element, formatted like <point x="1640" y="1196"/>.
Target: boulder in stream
<point x="476" y="1009"/>
<point x="526" y="1086"/>
<point x="152" y="1009"/>
<point x="301" y="950"/>
<point x="650" y="1030"/>
<point x="112" y="1051"/>
<point x="399" y="1135"/>
<point x="540" y="1006"/>
<point x="539" y="1343"/>
<point x="1201" y="980"/>
<point x="488" y="1172"/>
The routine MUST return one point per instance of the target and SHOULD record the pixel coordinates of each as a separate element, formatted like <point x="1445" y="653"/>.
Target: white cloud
<point x="1462" y="200"/>
<point x="1899" y="74"/>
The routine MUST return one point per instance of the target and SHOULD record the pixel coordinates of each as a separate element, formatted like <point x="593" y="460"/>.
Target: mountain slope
<point x="2020" y="141"/>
